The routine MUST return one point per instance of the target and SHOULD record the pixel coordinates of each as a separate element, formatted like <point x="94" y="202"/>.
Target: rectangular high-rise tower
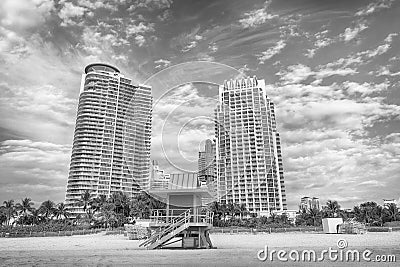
<point x="249" y="161"/>
<point x="206" y="163"/>
<point x="111" y="147"/>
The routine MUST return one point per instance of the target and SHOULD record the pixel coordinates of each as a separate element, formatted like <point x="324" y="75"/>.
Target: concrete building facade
<point x="249" y="161"/>
<point x="111" y="147"/>
<point x="207" y="172"/>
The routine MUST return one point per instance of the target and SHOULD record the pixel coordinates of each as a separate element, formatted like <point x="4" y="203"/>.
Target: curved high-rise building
<point x="249" y="161"/>
<point x="111" y="147"/>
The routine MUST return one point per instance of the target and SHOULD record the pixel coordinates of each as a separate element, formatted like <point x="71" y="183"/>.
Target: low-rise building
<point x="388" y="202"/>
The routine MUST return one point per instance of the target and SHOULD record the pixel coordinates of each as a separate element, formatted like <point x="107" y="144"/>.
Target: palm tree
<point x="9" y="209"/>
<point x="3" y="217"/>
<point x="242" y="209"/>
<point x="369" y="212"/>
<point x="231" y="209"/>
<point x="156" y="204"/>
<point x="140" y="206"/>
<point x="47" y="209"/>
<point x="98" y="202"/>
<point x="272" y="217"/>
<point x="315" y="215"/>
<point x="332" y="208"/>
<point x="61" y="211"/>
<point x="121" y="202"/>
<point x="216" y="210"/>
<point x="283" y="219"/>
<point x="107" y="211"/>
<point x="35" y="216"/>
<point x="85" y="200"/>
<point x="23" y="208"/>
<point x="392" y="211"/>
<point x="223" y="209"/>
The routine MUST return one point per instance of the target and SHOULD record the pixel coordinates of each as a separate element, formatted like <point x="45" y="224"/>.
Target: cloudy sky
<point x="332" y="68"/>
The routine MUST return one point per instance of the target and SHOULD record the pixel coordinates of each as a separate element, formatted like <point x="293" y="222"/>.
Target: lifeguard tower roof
<point x="182" y="184"/>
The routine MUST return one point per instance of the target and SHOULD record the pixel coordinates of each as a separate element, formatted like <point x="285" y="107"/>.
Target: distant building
<point x="158" y="177"/>
<point x="290" y="214"/>
<point x="207" y="172"/>
<point x="309" y="203"/>
<point x="249" y="161"/>
<point x="387" y="202"/>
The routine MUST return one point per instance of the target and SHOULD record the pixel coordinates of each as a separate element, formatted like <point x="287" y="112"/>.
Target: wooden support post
<point x="199" y="245"/>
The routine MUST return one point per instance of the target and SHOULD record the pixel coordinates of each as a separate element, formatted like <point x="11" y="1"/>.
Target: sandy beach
<point x="233" y="250"/>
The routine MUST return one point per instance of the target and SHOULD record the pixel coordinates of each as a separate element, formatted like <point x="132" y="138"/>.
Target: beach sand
<point x="233" y="250"/>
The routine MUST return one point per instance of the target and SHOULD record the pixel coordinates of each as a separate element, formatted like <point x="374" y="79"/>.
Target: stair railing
<point x="177" y="222"/>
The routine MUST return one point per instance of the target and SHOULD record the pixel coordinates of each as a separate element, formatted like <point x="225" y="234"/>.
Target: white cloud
<point x="192" y="44"/>
<point x="351" y="33"/>
<point x="321" y="40"/>
<point x="318" y="125"/>
<point x="138" y="31"/>
<point x="295" y="74"/>
<point x="213" y="47"/>
<point x="142" y="27"/>
<point x="181" y="120"/>
<point x="323" y="43"/>
<point x="23" y="15"/>
<point x="298" y="73"/>
<point x="331" y="107"/>
<point x="150" y="4"/>
<point x="69" y="11"/>
<point x="12" y="43"/>
<point x="381" y="49"/>
<point x="349" y="64"/>
<point x="40" y="112"/>
<point x="99" y="47"/>
<point x="140" y="40"/>
<point x="188" y="40"/>
<point x="162" y="63"/>
<point x="338" y="167"/>
<point x="364" y="89"/>
<point x="165" y="15"/>
<point x="256" y="17"/>
<point x="310" y="53"/>
<point x="372" y="183"/>
<point x="374" y="7"/>
<point x="189" y="46"/>
<point x="33" y="169"/>
<point x="205" y="57"/>
<point x="280" y="45"/>
<point x="384" y="71"/>
<point x="327" y="72"/>
<point x="97" y="4"/>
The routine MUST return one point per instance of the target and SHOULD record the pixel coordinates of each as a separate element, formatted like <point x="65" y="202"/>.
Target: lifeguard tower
<point x="184" y="220"/>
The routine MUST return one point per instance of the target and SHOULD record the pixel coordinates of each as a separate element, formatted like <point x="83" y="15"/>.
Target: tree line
<point x="100" y="211"/>
<point x="369" y="213"/>
<point x="118" y="209"/>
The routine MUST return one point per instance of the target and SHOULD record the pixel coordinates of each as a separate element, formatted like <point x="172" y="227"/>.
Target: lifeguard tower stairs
<point x="184" y="219"/>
